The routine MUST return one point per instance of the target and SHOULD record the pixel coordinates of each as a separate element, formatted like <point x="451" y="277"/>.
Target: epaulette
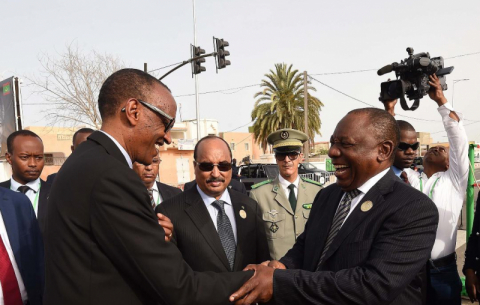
<point x="261" y="183"/>
<point x="312" y="181"/>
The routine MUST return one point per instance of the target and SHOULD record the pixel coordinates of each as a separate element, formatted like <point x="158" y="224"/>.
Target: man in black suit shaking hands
<point x="368" y="236"/>
<point x="103" y="243"/>
<point x="216" y="228"/>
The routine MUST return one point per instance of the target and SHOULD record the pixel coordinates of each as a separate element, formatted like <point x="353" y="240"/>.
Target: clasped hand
<point x="259" y="288"/>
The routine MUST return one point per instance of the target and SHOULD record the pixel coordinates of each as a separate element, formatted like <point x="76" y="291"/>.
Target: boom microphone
<point x="385" y="70"/>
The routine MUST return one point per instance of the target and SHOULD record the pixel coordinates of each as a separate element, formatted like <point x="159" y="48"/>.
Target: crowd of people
<point x="103" y="230"/>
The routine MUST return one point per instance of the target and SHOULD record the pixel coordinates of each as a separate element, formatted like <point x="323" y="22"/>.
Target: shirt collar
<point x="397" y="171"/>
<point x="285" y="183"/>
<point x="34" y="185"/>
<point x="209" y="200"/>
<point x="155" y="187"/>
<point x="372" y="181"/>
<point x="124" y="152"/>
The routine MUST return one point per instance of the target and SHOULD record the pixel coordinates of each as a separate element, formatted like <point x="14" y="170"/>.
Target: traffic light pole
<point x="186" y="62"/>
<point x="197" y="106"/>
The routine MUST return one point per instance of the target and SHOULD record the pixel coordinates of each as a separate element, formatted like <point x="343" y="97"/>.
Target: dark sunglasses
<point x="405" y="146"/>
<point x="292" y="156"/>
<point x="155" y="109"/>
<point x="208" y="167"/>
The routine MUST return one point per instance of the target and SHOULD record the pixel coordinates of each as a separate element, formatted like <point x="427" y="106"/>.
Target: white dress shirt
<point x="363" y="190"/>
<point x="157" y="197"/>
<point x="124" y="152"/>
<point x="450" y="186"/>
<point x="214" y="212"/>
<point x="6" y="242"/>
<point x="33" y="193"/>
<point x="285" y="184"/>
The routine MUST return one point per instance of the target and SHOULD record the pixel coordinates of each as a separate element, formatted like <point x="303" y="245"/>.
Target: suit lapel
<point x="323" y="224"/>
<point x="163" y="191"/>
<point x="376" y="196"/>
<point x="197" y="211"/>
<point x="280" y="196"/>
<point x="301" y="194"/>
<point x="7" y="207"/>
<point x="242" y="225"/>
<point x="42" y="203"/>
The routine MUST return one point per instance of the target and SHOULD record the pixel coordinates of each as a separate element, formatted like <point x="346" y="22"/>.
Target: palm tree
<point x="280" y="105"/>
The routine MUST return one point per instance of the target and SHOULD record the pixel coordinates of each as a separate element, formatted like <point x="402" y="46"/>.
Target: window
<point x="48" y="159"/>
<point x="232" y="146"/>
<point x="247" y="148"/>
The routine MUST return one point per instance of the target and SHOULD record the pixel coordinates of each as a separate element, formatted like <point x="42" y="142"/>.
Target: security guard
<point x="286" y="201"/>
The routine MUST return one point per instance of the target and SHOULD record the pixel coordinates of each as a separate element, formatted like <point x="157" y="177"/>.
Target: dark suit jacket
<point x="25" y="240"/>
<point x="51" y="178"/>
<point x="167" y="191"/>
<point x="42" y="201"/>
<point x="375" y="258"/>
<point x="198" y="240"/>
<point x="104" y="245"/>
<point x="472" y="253"/>
<point x="234" y="185"/>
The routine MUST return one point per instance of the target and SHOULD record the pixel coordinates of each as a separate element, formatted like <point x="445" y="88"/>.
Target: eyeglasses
<point x="405" y="146"/>
<point x="292" y="156"/>
<point x="156" y="161"/>
<point x="208" y="167"/>
<point x="171" y="121"/>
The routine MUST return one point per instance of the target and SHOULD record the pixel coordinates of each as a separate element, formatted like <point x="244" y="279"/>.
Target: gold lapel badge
<point x="243" y="214"/>
<point x="366" y="206"/>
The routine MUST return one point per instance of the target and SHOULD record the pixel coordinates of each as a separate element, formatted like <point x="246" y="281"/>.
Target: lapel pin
<point x="243" y="214"/>
<point x="274" y="227"/>
<point x="366" y="206"/>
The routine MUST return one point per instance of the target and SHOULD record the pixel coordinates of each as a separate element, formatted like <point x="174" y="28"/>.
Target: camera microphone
<point x="385" y="70"/>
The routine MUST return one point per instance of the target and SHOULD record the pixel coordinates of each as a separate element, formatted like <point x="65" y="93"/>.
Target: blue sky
<point x="316" y="36"/>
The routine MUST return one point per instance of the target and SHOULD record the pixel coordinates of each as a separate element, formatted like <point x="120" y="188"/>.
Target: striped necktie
<point x="342" y="212"/>
<point x="225" y="232"/>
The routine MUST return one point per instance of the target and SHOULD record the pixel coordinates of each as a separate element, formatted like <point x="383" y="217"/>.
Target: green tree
<point x="281" y="105"/>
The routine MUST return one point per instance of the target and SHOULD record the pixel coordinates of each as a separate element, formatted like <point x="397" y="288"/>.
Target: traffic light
<point x="220" y="45"/>
<point x="197" y="63"/>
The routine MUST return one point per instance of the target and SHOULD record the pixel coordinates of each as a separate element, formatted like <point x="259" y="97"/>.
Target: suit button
<point x="478" y="233"/>
<point x="296" y="217"/>
<point x="476" y="258"/>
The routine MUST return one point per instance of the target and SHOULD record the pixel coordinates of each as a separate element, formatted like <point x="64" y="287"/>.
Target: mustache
<point x="215" y="180"/>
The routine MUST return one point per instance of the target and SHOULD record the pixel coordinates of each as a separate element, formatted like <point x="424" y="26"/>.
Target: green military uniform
<point x="282" y="224"/>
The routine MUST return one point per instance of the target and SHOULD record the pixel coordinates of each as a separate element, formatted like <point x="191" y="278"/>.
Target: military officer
<point x="285" y="202"/>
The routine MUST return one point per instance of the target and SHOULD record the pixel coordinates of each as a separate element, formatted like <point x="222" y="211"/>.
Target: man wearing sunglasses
<point x="285" y="201"/>
<point x="103" y="242"/>
<point x="444" y="180"/>
<point x="216" y="228"/>
<point x="406" y="151"/>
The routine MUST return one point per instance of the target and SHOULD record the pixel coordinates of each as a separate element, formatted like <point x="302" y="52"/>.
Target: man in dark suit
<point x="368" y="236"/>
<point x="21" y="251"/>
<point x="209" y="241"/>
<point x="159" y="192"/>
<point x="25" y="155"/>
<point x="233" y="185"/>
<point x="79" y="137"/>
<point x="103" y="243"/>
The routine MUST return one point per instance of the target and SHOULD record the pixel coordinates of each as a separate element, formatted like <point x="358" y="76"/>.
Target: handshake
<point x="259" y="288"/>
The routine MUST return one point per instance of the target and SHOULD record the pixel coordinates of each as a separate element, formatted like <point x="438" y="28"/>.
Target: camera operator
<point x="444" y="180"/>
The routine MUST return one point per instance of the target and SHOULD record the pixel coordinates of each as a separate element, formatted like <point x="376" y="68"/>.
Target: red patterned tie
<point x="11" y="292"/>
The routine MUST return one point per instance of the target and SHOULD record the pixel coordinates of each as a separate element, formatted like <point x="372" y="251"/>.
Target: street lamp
<point x="454" y="82"/>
